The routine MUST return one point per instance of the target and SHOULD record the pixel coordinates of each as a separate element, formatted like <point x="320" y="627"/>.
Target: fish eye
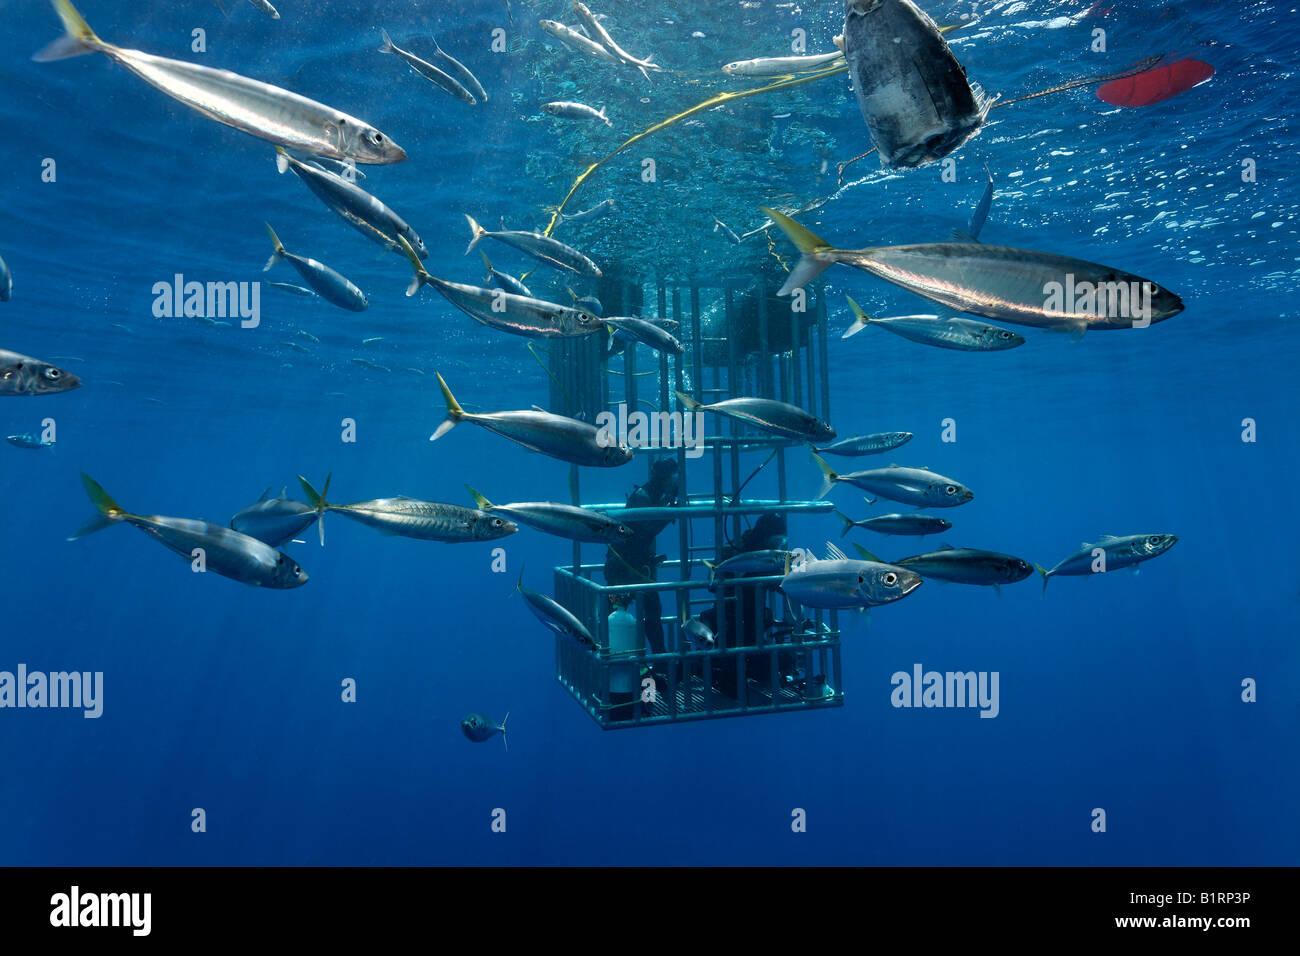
<point x="1004" y="334"/>
<point x="861" y="579"/>
<point x="53" y="374"/>
<point x="280" y="560"/>
<point x="890" y="579"/>
<point x="297" y="570"/>
<point x="951" y="490"/>
<point x="498" y="523"/>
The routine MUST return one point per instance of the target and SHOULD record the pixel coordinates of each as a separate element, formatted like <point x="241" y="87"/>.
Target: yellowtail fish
<point x="544" y="248"/>
<point x="332" y="286"/>
<point x="257" y="108"/>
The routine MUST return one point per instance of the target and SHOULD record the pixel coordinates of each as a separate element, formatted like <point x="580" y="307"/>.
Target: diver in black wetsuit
<point x="634" y="561"/>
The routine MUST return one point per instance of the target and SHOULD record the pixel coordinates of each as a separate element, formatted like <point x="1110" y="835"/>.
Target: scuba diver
<point x="634" y="561"/>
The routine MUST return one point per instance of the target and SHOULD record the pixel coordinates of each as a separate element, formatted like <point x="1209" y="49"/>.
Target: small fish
<point x="866" y="444"/>
<point x="563" y="521"/>
<point x="726" y="231"/>
<point x="304" y="334"/>
<point x="555" y="615"/>
<point x="996" y="282"/>
<point x="413" y="518"/>
<point x="28" y="441"/>
<point x="916" y="525"/>
<point x="576" y="40"/>
<point x="290" y="287"/>
<point x="698" y="634"/>
<point x="296" y="347"/>
<point x="554" y="435"/>
<point x="783" y="65"/>
<point x="360" y="210"/>
<point x="647" y="333"/>
<point x="6" y="281"/>
<point x="257" y="108"/>
<point x="838" y="582"/>
<point x="503" y="280"/>
<point x="366" y="363"/>
<point x="22" y="375"/>
<point x="224" y="550"/>
<point x="945" y="332"/>
<point x="427" y="70"/>
<point x="415" y="371"/>
<point x="275" y="521"/>
<point x="779" y="418"/>
<point x="1117" y="552"/>
<point x="586" y="215"/>
<point x="579" y="111"/>
<point x="911" y="486"/>
<point x="772" y="561"/>
<point x="601" y="36"/>
<point x="462" y="73"/>
<point x="332" y="286"/>
<point x="964" y="566"/>
<point x="479" y="728"/>
<point x="540" y="247"/>
<point x="373" y="338"/>
<point x="265" y="7"/>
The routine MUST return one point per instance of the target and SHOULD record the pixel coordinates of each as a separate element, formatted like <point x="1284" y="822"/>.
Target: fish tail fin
<point x="688" y="403"/>
<point x="454" y="412"/>
<point x="388" y="46"/>
<point x="485" y="505"/>
<point x="1046" y="576"/>
<point x="828" y="475"/>
<point x="503" y="731"/>
<point x="478" y="233"/>
<point x="77" y="38"/>
<point x="860" y="319"/>
<point x="281" y="160"/>
<point x="109" y="511"/>
<point x="318" y="502"/>
<point x="816" y="252"/>
<point x="421" y="276"/>
<point x="277" y="254"/>
<point x="605" y="118"/>
<point x="848" y="522"/>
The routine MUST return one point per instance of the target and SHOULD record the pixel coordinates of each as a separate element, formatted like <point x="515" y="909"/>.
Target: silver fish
<point x="22" y="375"/>
<point x="911" y="486"/>
<point x="917" y="525"/>
<point x="303" y="333"/>
<point x="586" y="215"/>
<point x="462" y="73"/>
<point x="576" y="40"/>
<point x="964" y="566"/>
<point x="555" y="615"/>
<point x="28" y="441"/>
<point x="555" y="435"/>
<point x="944" y="332"/>
<point x="478" y="728"/>
<point x="6" y="281"/>
<point x="503" y="280"/>
<point x="727" y="231"/>
<point x="505" y="311"/>
<point x="332" y="286"/>
<point x="866" y="444"/>
<point x="783" y="65"/>
<point x="838" y="582"/>
<point x="544" y="248"/>
<point x="601" y="36"/>
<point x="1016" y="285"/>
<point x="645" y="332"/>
<point x="225" y="551"/>
<point x="257" y="108"/>
<point x="568" y="110"/>
<point x="360" y="210"/>
<point x="427" y="70"/>
<point x="698" y="634"/>
<point x="772" y="561"/>
<point x="563" y="521"/>
<point x="913" y="94"/>
<point x="265" y="7"/>
<point x="779" y="418"/>
<point x="1120" y="552"/>
<point x="413" y="518"/>
<point x="294" y="289"/>
<point x="274" y="521"/>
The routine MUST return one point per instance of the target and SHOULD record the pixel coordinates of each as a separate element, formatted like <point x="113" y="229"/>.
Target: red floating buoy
<point x="1155" y="86"/>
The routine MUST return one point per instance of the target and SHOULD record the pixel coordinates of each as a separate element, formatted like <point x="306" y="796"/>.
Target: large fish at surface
<point x="914" y="95"/>
<point x="1122" y="552"/>
<point x="257" y="108"/>
<point x="225" y="551"/>
<point x="332" y="286"/>
<point x="555" y="435"/>
<point x="360" y="210"/>
<point x="274" y="521"/>
<point x="769" y="415"/>
<point x="840" y="582"/>
<point x="413" y="518"/>
<point x="1038" y="289"/>
<point x="23" y="375"/>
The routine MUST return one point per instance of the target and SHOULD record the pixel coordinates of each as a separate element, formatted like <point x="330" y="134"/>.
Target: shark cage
<point x="767" y="655"/>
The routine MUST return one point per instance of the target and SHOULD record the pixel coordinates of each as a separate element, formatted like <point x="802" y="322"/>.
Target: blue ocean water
<point x="1122" y="692"/>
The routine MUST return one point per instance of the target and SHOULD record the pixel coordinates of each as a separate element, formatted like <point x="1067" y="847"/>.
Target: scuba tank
<point x="624" y="638"/>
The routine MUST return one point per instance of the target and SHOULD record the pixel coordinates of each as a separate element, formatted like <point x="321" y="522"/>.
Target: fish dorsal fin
<point x="833" y="553"/>
<point x="1085" y="545"/>
<point x="867" y="555"/>
<point x="284" y="492"/>
<point x="265" y="495"/>
<point x="959" y="235"/>
<point x="946" y="546"/>
<point x="1107" y="537"/>
<point x="538" y="408"/>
